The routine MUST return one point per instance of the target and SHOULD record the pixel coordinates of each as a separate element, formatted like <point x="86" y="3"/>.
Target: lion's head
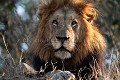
<point x="66" y="30"/>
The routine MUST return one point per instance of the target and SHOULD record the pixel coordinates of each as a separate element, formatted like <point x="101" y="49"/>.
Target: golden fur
<point x="89" y="41"/>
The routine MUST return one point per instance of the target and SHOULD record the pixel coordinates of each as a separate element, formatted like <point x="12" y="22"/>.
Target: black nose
<point x="62" y="38"/>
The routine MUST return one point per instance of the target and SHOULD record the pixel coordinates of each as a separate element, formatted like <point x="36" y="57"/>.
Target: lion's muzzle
<point x="63" y="44"/>
<point x="62" y="39"/>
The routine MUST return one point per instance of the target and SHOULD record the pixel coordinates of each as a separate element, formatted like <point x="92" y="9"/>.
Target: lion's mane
<point x="91" y="42"/>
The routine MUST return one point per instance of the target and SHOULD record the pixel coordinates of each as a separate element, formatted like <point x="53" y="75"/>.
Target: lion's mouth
<point x="62" y="48"/>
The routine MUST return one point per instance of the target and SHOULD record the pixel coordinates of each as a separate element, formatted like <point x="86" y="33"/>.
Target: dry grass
<point x="16" y="71"/>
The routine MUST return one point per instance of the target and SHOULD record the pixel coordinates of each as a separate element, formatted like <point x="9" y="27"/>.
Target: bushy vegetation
<point x="18" y="22"/>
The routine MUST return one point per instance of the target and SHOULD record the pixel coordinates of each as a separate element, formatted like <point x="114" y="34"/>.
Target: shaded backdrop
<point x="18" y="22"/>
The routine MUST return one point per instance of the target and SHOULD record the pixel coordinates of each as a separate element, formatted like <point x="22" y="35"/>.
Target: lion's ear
<point x="89" y="13"/>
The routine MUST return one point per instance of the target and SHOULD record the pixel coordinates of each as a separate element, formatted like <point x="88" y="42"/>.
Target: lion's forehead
<point x="70" y="13"/>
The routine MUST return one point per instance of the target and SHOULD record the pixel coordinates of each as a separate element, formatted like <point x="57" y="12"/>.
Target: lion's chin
<point x="62" y="54"/>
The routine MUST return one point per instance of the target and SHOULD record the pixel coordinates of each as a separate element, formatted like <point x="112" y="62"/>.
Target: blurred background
<point x="18" y="20"/>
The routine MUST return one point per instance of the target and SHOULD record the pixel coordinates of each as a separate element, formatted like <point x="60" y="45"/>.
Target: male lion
<point x="68" y="37"/>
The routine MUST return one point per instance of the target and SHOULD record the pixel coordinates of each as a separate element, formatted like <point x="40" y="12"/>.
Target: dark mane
<point x="48" y="7"/>
<point x="93" y="43"/>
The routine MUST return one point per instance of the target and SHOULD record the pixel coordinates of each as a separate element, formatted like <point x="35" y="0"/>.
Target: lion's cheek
<point x="69" y="45"/>
<point x="56" y="44"/>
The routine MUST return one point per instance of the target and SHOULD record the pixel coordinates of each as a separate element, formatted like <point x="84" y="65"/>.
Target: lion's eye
<point x="55" y="22"/>
<point x="74" y="23"/>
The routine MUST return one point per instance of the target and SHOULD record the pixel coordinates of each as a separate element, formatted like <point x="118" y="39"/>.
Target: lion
<point x="68" y="37"/>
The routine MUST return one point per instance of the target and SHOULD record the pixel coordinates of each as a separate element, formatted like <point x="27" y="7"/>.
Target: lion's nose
<point x="62" y="39"/>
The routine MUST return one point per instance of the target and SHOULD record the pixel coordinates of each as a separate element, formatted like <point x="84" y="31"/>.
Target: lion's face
<point x="64" y="26"/>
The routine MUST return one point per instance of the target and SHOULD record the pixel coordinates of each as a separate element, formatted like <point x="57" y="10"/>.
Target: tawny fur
<point x="90" y="39"/>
